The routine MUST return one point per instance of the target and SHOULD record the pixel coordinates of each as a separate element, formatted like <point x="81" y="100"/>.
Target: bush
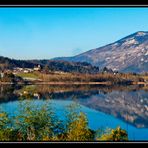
<point x="117" y="134"/>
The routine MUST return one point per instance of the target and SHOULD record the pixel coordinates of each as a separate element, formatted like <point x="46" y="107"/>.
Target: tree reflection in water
<point x="129" y="103"/>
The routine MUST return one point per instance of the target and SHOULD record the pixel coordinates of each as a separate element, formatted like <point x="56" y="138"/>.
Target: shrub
<point x="117" y="134"/>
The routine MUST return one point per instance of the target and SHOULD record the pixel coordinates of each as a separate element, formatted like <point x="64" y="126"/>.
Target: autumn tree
<point x="117" y="134"/>
<point x="77" y="125"/>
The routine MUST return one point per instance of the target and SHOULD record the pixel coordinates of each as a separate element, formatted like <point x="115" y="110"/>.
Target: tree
<point x="35" y="122"/>
<point x="78" y="129"/>
<point x="105" y="69"/>
<point x="77" y="126"/>
<point x="5" y="132"/>
<point x="117" y="134"/>
<point x="46" y="68"/>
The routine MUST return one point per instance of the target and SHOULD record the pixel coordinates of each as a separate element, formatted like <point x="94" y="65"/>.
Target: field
<point x="74" y="78"/>
<point x="28" y="75"/>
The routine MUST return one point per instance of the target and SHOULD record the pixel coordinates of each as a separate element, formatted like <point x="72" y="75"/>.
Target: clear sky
<point x="44" y="33"/>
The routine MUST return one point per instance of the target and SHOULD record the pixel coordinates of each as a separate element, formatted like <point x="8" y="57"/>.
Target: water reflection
<point x="128" y="103"/>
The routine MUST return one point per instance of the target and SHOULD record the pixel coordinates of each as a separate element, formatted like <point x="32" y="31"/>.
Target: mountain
<point x="121" y="102"/>
<point x="81" y="67"/>
<point x="129" y="54"/>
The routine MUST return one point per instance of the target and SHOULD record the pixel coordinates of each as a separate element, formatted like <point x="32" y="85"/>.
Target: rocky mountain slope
<point x="129" y="54"/>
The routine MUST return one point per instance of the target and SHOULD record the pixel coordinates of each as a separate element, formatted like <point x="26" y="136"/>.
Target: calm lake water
<point x="105" y="106"/>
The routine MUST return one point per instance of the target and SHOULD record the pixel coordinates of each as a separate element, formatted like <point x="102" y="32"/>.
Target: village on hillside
<point x="47" y="75"/>
<point x="20" y="70"/>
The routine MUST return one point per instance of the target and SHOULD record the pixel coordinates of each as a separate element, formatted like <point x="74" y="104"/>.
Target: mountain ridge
<point x="128" y="54"/>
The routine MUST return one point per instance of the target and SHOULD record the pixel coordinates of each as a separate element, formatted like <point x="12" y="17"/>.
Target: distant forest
<point x="53" y="65"/>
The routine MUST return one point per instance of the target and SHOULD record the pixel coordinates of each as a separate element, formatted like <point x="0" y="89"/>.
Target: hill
<point x="80" y="67"/>
<point x="129" y="54"/>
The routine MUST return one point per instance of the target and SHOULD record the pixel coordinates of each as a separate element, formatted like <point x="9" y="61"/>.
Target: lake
<point x="104" y="105"/>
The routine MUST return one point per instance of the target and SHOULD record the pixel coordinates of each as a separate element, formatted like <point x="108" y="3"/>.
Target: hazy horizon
<point x="45" y="33"/>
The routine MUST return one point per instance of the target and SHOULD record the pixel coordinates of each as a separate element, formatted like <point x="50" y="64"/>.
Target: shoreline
<point x="71" y="83"/>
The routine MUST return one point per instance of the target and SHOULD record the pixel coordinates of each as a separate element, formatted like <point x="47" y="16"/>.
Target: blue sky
<point x="44" y="33"/>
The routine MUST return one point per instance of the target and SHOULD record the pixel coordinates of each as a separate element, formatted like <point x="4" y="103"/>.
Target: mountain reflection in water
<point x="127" y="103"/>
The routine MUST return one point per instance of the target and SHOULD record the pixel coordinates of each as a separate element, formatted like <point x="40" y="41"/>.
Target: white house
<point x="2" y="74"/>
<point x="37" y="68"/>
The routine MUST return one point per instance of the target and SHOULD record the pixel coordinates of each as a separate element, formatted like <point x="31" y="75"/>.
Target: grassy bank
<point x="77" y="78"/>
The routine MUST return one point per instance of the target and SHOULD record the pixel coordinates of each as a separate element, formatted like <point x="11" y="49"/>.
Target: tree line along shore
<point x="38" y="77"/>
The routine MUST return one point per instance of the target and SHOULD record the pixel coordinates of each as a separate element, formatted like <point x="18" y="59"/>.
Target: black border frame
<point x="92" y="4"/>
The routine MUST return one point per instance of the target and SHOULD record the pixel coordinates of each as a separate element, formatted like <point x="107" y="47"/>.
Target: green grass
<point x="28" y="75"/>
